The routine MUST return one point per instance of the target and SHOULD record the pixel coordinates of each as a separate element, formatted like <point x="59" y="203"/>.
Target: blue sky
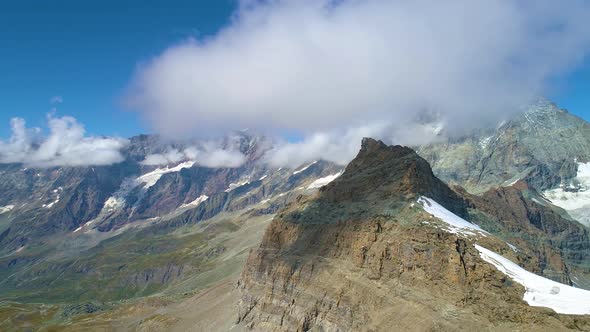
<point x="572" y="92"/>
<point x="86" y="52"/>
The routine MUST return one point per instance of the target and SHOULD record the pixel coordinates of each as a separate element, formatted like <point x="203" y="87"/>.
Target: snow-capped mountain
<point x="542" y="146"/>
<point x="328" y="246"/>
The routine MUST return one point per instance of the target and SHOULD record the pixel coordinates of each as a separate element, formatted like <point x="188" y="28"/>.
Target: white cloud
<point x="340" y="146"/>
<point x="208" y="155"/>
<point x="171" y="157"/>
<point x="65" y="145"/>
<point x="220" y="158"/>
<point x="56" y="100"/>
<point x="319" y="66"/>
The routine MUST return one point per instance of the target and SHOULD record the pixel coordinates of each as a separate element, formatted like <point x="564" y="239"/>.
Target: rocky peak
<point x="371" y="146"/>
<point x="381" y="172"/>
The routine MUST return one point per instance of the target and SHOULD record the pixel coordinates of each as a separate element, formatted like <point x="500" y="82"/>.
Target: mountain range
<point x="485" y="231"/>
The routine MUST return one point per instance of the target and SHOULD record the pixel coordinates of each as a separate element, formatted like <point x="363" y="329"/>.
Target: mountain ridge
<point x="168" y="231"/>
<point x="328" y="263"/>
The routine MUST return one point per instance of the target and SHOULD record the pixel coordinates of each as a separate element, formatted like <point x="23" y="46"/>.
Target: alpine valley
<point x="484" y="232"/>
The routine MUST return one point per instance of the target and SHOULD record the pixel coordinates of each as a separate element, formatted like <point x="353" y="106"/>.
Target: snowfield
<point x="152" y="177"/>
<point x="455" y="224"/>
<point x="541" y="292"/>
<point x="324" y="181"/>
<point x="576" y="203"/>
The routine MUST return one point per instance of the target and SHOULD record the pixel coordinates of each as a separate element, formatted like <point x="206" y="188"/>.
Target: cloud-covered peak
<point x="65" y="145"/>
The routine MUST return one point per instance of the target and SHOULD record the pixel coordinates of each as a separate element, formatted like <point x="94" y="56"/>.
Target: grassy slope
<point x="211" y="253"/>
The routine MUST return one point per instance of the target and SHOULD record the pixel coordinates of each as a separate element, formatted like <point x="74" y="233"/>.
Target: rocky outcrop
<point x="362" y="256"/>
<point x="395" y="173"/>
<point x="518" y="214"/>
<point x="378" y="275"/>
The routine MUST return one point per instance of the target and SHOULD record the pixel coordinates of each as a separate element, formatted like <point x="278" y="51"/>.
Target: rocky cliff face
<point x="524" y="218"/>
<point x="541" y="146"/>
<point x="46" y="202"/>
<point x="361" y="255"/>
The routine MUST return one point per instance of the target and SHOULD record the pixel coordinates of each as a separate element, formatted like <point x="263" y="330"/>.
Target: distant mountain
<point x="387" y="246"/>
<point x="83" y="225"/>
<point x="543" y="146"/>
<point x="38" y="203"/>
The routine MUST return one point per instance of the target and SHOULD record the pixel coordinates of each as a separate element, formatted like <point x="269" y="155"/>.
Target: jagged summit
<point x="370" y="145"/>
<point x="382" y="172"/>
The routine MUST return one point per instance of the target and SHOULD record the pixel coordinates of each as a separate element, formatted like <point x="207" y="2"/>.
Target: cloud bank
<point x="66" y="145"/>
<point x="207" y="156"/>
<point x="316" y="67"/>
<point x="340" y="146"/>
<point x="173" y="156"/>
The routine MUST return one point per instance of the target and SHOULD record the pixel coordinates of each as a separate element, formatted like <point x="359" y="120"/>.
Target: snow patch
<point x="117" y="200"/>
<point x="511" y="183"/>
<point x="575" y="200"/>
<point x="304" y="168"/>
<point x="324" y="181"/>
<point x="484" y="141"/>
<point x="113" y="202"/>
<point x="541" y="292"/>
<point x="7" y="208"/>
<point x="455" y="224"/>
<point x="50" y="205"/>
<point x="150" y="179"/>
<point x="235" y="185"/>
<point x="513" y="247"/>
<point x="195" y="203"/>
